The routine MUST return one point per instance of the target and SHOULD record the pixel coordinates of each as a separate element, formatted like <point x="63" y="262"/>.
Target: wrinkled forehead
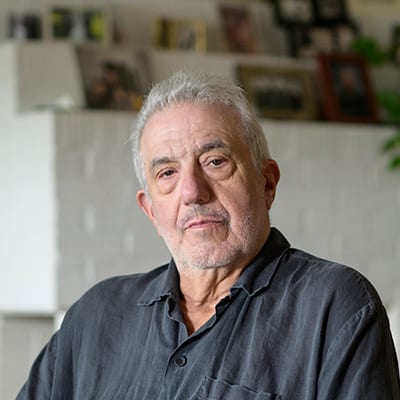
<point x="191" y="128"/>
<point x="188" y="118"/>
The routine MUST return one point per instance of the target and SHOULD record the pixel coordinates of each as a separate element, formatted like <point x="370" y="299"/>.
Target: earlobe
<point x="271" y="174"/>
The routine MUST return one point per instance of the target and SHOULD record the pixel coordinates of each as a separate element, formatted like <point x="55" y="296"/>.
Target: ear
<point x="145" y="203"/>
<point x="271" y="174"/>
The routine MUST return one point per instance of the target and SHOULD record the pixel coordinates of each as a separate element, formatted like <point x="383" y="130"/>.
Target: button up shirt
<point x="293" y="327"/>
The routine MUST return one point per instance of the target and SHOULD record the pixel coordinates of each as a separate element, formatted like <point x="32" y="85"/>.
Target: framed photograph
<point x="238" y="31"/>
<point x="24" y="26"/>
<point x="308" y="41"/>
<point x="346" y="91"/>
<point x="181" y="34"/>
<point x="113" y="79"/>
<point x="329" y="12"/>
<point x="78" y="24"/>
<point x="290" y="12"/>
<point x="282" y="92"/>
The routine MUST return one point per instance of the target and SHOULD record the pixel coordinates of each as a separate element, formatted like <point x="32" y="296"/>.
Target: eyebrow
<point x="214" y="144"/>
<point x="160" y="161"/>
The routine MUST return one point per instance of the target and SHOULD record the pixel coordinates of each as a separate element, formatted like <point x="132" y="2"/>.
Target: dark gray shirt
<point x="293" y="327"/>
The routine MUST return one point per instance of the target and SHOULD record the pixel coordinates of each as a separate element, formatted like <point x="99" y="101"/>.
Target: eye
<point x="166" y="173"/>
<point x="218" y="167"/>
<point x="216" y="162"/>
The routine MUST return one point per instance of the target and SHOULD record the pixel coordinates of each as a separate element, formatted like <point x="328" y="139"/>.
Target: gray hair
<point x="200" y="88"/>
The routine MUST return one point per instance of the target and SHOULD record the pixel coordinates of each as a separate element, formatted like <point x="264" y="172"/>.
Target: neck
<point x="202" y="290"/>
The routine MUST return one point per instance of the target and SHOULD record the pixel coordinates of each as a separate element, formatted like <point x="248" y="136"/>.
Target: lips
<point x="201" y="222"/>
<point x="201" y="216"/>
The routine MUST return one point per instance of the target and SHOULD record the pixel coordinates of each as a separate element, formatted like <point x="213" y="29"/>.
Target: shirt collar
<point x="255" y="277"/>
<point x="258" y="274"/>
<point x="163" y="285"/>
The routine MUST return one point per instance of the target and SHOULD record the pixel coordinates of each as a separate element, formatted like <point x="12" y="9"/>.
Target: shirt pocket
<point x="214" y="389"/>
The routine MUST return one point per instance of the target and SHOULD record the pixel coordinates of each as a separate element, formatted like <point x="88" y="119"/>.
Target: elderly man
<point x="237" y="314"/>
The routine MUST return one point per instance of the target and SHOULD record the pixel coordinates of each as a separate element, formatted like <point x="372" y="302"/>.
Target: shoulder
<point x="327" y="275"/>
<point x="116" y="294"/>
<point x="326" y="285"/>
<point x="132" y="285"/>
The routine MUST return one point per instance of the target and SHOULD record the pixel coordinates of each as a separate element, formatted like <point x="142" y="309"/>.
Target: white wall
<point x="28" y="231"/>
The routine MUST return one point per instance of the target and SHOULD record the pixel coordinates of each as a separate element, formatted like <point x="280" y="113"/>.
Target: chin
<point x="207" y="259"/>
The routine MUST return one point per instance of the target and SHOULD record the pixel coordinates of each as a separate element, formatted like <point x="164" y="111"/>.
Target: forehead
<point x="187" y="125"/>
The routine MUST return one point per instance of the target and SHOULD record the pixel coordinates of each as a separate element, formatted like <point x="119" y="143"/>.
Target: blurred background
<point x="72" y="77"/>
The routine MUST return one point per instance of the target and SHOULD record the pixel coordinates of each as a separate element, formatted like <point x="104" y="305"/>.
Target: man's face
<point x="205" y="196"/>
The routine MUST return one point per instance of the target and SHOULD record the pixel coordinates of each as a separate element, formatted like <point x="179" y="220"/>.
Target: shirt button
<point x="180" y="361"/>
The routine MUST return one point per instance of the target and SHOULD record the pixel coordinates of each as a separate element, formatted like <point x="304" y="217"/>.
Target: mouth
<point x="202" y="223"/>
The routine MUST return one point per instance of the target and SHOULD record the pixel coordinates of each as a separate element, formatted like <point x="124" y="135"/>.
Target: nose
<point x="195" y="188"/>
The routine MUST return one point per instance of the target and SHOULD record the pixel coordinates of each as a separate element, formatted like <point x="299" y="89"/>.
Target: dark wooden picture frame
<point x="346" y="89"/>
<point x="283" y="92"/>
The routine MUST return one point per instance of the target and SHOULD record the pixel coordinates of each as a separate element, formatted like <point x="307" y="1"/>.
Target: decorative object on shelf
<point x="345" y="33"/>
<point x="79" y="24"/>
<point x="315" y="26"/>
<point x="346" y="90"/>
<point x="24" y="26"/>
<point x="329" y="12"/>
<point x="180" y="34"/>
<point x="238" y="31"/>
<point x="114" y="79"/>
<point x="289" y="12"/>
<point x="284" y="92"/>
<point x="310" y="40"/>
<point x="315" y="12"/>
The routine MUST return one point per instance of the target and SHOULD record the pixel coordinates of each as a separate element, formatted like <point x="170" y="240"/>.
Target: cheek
<point x="165" y="217"/>
<point x="238" y="207"/>
<point x="248" y="203"/>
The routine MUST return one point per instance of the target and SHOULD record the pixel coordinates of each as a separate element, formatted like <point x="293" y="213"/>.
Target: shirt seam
<point x="369" y="307"/>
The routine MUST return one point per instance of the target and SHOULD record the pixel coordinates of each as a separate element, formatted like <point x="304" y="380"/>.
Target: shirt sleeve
<point x="39" y="383"/>
<point x="361" y="361"/>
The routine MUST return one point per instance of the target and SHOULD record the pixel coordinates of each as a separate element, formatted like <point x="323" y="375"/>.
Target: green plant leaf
<point x="390" y="102"/>
<point x="392" y="142"/>
<point x="394" y="162"/>
<point x="370" y="50"/>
